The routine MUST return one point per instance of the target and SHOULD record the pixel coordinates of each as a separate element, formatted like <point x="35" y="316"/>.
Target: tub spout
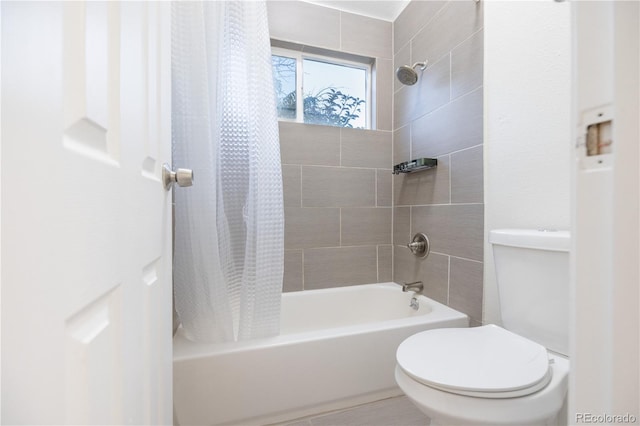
<point x="416" y="287"/>
<point x="414" y="304"/>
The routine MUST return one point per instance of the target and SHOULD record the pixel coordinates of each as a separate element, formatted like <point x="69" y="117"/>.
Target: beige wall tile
<point x="304" y="23"/>
<point x="383" y="188"/>
<point x="338" y="187"/>
<point x="412" y="19"/>
<point x="366" y="36"/>
<point x="366" y="148"/>
<point x="433" y="85"/>
<point x="385" y="263"/>
<point x="384" y="94"/>
<point x="404" y="104"/>
<point x="445" y="121"/>
<point x="292" y="271"/>
<point x="311" y="227"/>
<point x="339" y="266"/>
<point x="467" y="65"/>
<point x="425" y="187"/>
<point x="402" y="57"/>
<point x="456" y="230"/>
<point x="291" y="185"/>
<point x="467" y="176"/>
<point x="454" y="127"/>
<point x="465" y="289"/>
<point x="401" y="225"/>
<point x="309" y="144"/>
<point x="433" y="271"/>
<point x="430" y="92"/>
<point x="456" y="21"/>
<point x="365" y="226"/>
<point x="402" y="144"/>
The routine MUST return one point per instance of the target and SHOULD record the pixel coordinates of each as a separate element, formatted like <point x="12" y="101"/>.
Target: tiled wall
<point x="337" y="182"/>
<point x="315" y="26"/>
<point x="340" y="213"/>
<point x="441" y="116"/>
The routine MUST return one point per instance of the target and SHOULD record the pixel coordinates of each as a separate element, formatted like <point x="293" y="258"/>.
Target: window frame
<point x="300" y="56"/>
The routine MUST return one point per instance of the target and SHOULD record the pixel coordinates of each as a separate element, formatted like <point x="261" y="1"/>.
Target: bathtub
<point x="336" y="350"/>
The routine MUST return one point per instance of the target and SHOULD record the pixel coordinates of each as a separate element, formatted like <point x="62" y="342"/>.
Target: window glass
<point x="334" y="94"/>
<point x="321" y="90"/>
<point x="284" y="79"/>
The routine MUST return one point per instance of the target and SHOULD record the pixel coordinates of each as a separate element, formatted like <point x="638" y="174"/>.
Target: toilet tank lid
<point x="540" y="239"/>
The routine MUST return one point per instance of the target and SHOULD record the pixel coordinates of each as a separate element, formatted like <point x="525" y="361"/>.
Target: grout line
<point x="447" y="104"/>
<point x="340" y="226"/>
<point x="302" y="269"/>
<point x="393" y="262"/>
<point x="410" y="222"/>
<point x="340" y="148"/>
<point x="434" y="16"/>
<point x="467" y="39"/>
<point x="450" y="186"/>
<point x="375" y="188"/>
<point x="337" y="167"/>
<point x="450" y="76"/>
<point x="439" y="205"/>
<point x="465" y="149"/>
<point x="448" y="278"/>
<point x="349" y="246"/>
<point x="466" y="93"/>
<point x="377" y="263"/>
<point x="300" y="186"/>
<point x="467" y="259"/>
<point x="393" y="177"/>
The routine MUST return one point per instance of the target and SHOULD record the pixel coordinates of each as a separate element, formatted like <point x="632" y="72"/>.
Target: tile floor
<point x="398" y="411"/>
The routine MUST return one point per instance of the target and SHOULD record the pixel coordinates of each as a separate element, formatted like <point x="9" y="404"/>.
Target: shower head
<point x="408" y="75"/>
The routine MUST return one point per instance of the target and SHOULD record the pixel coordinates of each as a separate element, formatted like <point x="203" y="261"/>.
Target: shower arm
<point x="422" y="65"/>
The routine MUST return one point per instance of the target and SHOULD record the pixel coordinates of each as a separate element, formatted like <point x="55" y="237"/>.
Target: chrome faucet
<point x="416" y="287"/>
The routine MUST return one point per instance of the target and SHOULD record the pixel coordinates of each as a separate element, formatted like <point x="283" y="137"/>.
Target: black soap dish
<point x="416" y="165"/>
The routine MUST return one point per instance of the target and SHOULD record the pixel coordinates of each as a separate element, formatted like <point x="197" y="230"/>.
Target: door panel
<point x="86" y="237"/>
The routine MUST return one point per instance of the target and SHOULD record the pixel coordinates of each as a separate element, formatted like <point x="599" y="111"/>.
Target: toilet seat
<point x="486" y="362"/>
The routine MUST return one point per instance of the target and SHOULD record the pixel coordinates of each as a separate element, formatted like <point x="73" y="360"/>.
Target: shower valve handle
<point x="183" y="177"/>
<point x="419" y="245"/>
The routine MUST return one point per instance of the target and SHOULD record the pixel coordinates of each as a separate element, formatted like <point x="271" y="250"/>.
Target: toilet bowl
<point x="511" y="375"/>
<point x="482" y="376"/>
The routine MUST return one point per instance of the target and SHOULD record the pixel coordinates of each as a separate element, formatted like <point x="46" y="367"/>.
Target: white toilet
<point x="489" y="375"/>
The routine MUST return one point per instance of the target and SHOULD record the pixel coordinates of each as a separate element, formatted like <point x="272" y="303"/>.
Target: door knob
<point x="183" y="177"/>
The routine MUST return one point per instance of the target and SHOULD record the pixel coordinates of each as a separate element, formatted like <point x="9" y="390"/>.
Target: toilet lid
<point x="486" y="361"/>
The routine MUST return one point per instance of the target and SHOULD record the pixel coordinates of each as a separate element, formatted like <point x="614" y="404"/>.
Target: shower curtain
<point x="229" y="226"/>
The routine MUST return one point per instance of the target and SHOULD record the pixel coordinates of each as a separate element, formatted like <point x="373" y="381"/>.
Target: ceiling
<point x="387" y="10"/>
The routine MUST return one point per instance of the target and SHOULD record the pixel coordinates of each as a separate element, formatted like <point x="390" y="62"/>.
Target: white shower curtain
<point x="229" y="226"/>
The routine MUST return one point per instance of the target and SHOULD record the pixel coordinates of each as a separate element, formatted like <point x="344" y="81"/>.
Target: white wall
<point x="526" y="117"/>
<point x="0" y="195"/>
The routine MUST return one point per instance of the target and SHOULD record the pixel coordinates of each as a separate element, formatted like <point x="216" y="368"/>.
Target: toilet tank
<point x="532" y="273"/>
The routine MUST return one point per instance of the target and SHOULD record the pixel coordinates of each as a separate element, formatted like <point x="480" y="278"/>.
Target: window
<point x="334" y="92"/>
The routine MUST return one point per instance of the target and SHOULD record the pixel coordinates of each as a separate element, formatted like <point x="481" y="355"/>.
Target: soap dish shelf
<point x="417" y="165"/>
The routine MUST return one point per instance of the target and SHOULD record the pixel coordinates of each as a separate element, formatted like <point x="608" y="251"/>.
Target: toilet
<point x="516" y="374"/>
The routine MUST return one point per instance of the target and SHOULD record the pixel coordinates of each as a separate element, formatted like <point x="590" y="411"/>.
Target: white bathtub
<point x="336" y="349"/>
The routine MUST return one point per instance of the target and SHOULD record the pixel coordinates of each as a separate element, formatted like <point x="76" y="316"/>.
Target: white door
<point x="605" y="326"/>
<point x="86" y="222"/>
